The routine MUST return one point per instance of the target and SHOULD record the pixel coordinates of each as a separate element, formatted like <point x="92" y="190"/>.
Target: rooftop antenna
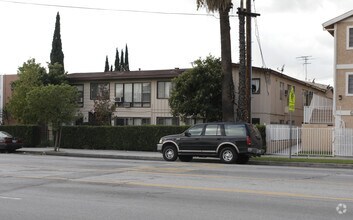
<point x="282" y="68"/>
<point x="305" y="60"/>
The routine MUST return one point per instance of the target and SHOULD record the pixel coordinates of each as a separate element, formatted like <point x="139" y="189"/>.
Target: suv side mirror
<point x="187" y="134"/>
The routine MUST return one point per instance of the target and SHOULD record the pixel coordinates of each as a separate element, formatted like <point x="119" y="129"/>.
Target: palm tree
<point x="223" y="7"/>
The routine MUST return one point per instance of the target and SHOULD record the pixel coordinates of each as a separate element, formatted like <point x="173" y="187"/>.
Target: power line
<point x="106" y="9"/>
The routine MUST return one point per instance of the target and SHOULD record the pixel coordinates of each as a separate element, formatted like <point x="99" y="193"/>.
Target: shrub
<point x="132" y="138"/>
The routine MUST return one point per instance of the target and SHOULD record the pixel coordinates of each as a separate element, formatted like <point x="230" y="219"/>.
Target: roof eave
<point x="330" y="23"/>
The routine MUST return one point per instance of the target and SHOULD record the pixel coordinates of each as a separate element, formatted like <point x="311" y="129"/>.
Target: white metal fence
<point x="343" y="142"/>
<point x="309" y="141"/>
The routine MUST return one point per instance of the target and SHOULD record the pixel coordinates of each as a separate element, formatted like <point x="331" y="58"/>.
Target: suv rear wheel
<point x="170" y="153"/>
<point x="228" y="155"/>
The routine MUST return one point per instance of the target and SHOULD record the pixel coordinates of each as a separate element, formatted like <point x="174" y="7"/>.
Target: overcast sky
<point x="175" y="38"/>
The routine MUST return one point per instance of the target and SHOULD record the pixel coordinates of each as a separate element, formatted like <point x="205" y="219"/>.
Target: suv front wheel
<point x="170" y="153"/>
<point x="228" y="155"/>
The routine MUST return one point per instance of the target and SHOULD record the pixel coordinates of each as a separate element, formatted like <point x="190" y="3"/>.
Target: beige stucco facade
<point x="339" y="28"/>
<point x="158" y="108"/>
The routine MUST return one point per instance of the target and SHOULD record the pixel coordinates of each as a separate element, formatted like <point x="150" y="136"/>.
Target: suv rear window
<point x="235" y="130"/>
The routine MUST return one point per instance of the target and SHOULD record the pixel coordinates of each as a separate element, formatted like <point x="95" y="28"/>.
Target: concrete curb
<point x="303" y="164"/>
<point x="160" y="158"/>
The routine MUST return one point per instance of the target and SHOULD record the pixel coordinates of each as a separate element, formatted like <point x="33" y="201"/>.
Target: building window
<point x="281" y="90"/>
<point x="255" y="121"/>
<point x="349" y="88"/>
<point x="99" y="90"/>
<point x="194" y="121"/>
<point x="289" y="87"/>
<point x="255" y="86"/>
<point x="168" y="121"/>
<point x="163" y="90"/>
<point x="79" y="95"/>
<point x="350" y="37"/>
<point x="307" y="97"/>
<point x="133" y="121"/>
<point x="133" y="94"/>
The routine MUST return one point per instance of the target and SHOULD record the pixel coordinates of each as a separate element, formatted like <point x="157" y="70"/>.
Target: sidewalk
<point x="156" y="156"/>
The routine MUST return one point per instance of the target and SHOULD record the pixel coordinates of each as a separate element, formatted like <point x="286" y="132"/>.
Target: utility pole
<point x="249" y="15"/>
<point x="248" y="59"/>
<point x="242" y="100"/>
<point x="305" y="60"/>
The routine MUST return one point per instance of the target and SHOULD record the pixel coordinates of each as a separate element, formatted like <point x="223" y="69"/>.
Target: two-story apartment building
<point x="270" y="90"/>
<point x="141" y="97"/>
<point x="341" y="28"/>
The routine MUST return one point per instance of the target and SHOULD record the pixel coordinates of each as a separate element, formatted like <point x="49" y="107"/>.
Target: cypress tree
<point x="111" y="68"/>
<point x="117" y="66"/>
<point x="56" y="54"/>
<point x="106" y="68"/>
<point x="126" y="63"/>
<point x="122" y="64"/>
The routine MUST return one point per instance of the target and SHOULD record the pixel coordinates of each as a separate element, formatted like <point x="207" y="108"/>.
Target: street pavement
<point x="156" y="156"/>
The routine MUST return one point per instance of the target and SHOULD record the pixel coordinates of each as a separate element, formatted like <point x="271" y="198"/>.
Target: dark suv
<point x="231" y="142"/>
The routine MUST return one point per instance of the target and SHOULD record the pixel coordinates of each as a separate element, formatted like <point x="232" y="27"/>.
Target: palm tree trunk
<point x="226" y="58"/>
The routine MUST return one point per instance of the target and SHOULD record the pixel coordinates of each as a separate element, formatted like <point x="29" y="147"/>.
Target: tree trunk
<point x="227" y="80"/>
<point x="57" y="140"/>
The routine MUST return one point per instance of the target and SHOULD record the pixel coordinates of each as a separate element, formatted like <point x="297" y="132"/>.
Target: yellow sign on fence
<point x="291" y="98"/>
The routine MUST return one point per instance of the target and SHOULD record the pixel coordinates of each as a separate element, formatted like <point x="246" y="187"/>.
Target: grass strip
<point x="307" y="160"/>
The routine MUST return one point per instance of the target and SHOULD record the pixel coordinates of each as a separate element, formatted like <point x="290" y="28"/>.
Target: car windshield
<point x="4" y="134"/>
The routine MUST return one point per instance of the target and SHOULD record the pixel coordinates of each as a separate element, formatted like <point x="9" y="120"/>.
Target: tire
<point x="244" y="159"/>
<point x="185" y="158"/>
<point x="170" y="153"/>
<point x="228" y="155"/>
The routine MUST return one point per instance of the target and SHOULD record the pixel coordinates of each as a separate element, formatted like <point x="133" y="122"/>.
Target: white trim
<point x="346" y="84"/>
<point x="347" y="38"/>
<point x="337" y="19"/>
<point x="335" y="73"/>
<point x="344" y="66"/>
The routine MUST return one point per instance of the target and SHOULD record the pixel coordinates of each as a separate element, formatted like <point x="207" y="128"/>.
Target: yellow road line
<point x="200" y="188"/>
<point x="234" y="190"/>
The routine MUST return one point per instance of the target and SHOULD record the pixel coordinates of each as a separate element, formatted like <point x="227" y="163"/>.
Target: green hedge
<point x="132" y="138"/>
<point x="30" y="134"/>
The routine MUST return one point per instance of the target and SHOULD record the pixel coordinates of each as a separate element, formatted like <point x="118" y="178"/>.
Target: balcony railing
<point x="318" y="115"/>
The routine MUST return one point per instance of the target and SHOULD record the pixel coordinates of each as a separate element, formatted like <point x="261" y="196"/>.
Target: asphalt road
<point x="50" y="187"/>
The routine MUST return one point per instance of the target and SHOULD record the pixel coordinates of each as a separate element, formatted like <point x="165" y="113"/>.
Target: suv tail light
<point x="248" y="140"/>
<point x="8" y="140"/>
